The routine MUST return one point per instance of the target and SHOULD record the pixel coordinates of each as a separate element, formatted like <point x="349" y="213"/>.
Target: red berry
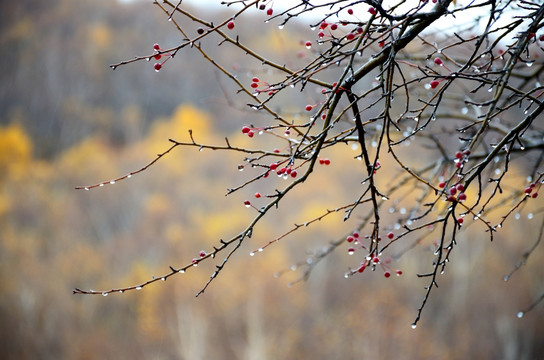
<point x="350" y="36"/>
<point x="459" y="155"/>
<point x="294" y="174"/>
<point x="262" y="7"/>
<point x="250" y="134"/>
<point x="399" y="272"/>
<point x="531" y="35"/>
<point x="442" y="185"/>
<point x="277" y="151"/>
<point x="273" y="166"/>
<point x="247" y="203"/>
<point x="453" y="190"/>
<point x="541" y="38"/>
<point x="156" y="47"/>
<point x="460" y="187"/>
<point x="372" y="11"/>
<point x="390" y="235"/>
<point x="434" y="84"/>
<point x="351" y="251"/>
<point x="202" y="253"/>
<point x="381" y="43"/>
<point x="350" y="11"/>
<point x="451" y="198"/>
<point x="532" y="185"/>
<point x="281" y="171"/>
<point x="255" y="79"/>
<point x="326" y="162"/>
<point x="200" y="31"/>
<point x="466" y="152"/>
<point x="459" y="165"/>
<point x="438" y="61"/>
<point x="321" y="162"/>
<point x="230" y="25"/>
<point x="158" y="57"/>
<point x="308" y="44"/>
<point x="254" y="85"/>
<point x="359" y="30"/>
<point x="309" y="107"/>
<point x="375" y="260"/>
<point x="245" y="129"/>
<point x="387" y="274"/>
<point x="323" y="25"/>
<point x="355" y="234"/>
<point x="460" y="220"/>
<point x="534" y="195"/>
<point x="350" y="238"/>
<point x="528" y="190"/>
<point x="157" y="66"/>
<point x="334" y="27"/>
<point x="361" y="268"/>
<point x="257" y="195"/>
<point x="269" y="12"/>
<point x="462" y="197"/>
<point x="321" y="35"/>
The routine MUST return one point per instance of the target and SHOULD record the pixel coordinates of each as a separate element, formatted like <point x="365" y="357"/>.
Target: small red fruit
<point x="245" y="129"/>
<point x="230" y="25"/>
<point x="462" y="197"/>
<point x="157" y="66"/>
<point x="247" y="203"/>
<point x="323" y="25"/>
<point x="350" y="36"/>
<point x="257" y="195"/>
<point x="355" y="234"/>
<point x="200" y="31"/>
<point x="459" y="155"/>
<point x="438" y="61"/>
<point x="202" y="253"/>
<point x="269" y="12"/>
<point x="254" y="85"/>
<point x="372" y="11"/>
<point x="334" y="27"/>
<point x="399" y="272"/>
<point x="460" y="187"/>
<point x="528" y="190"/>
<point x="156" y="47"/>
<point x="390" y="235"/>
<point x="434" y="84"/>
<point x="262" y="7"/>
<point x="350" y="238"/>
<point x="309" y="107"/>
<point x="293" y="174"/>
<point x="350" y="11"/>
<point x="273" y="166"/>
<point x="387" y="274"/>
<point x="453" y="190"/>
<point x="534" y="195"/>
<point x="442" y="185"/>
<point x="375" y="260"/>
<point x="308" y="44"/>
<point x="361" y="268"/>
<point x="460" y="220"/>
<point x="250" y="134"/>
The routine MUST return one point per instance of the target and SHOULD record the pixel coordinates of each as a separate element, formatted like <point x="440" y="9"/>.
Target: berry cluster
<point x="529" y="190"/>
<point x="158" y="55"/>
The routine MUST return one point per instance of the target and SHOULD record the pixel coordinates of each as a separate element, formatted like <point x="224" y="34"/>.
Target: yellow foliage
<point x="15" y="149"/>
<point x="100" y="35"/>
<point x="185" y="118"/>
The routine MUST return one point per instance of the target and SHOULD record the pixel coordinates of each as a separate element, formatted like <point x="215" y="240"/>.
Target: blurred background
<point x="67" y="119"/>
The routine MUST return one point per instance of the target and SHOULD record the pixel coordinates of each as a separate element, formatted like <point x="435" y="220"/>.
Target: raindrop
<point x="497" y="171"/>
<point x="261" y="249"/>
<point x="252" y="253"/>
<point x="439" y="51"/>
<point x="351" y="252"/>
<point x="163" y="279"/>
<point x="506" y="277"/>
<point x="112" y="182"/>
<point x="101" y="184"/>
<point x="402" y="211"/>
<point x="104" y="294"/>
<point x="281" y="26"/>
<point x="517" y="216"/>
<point x="391" y="210"/>
<point x="464" y="110"/>
<point x="384" y="198"/>
<point x="346" y="275"/>
<point x="147" y="59"/>
<point x="292" y="86"/>
<point x="129" y="176"/>
<point x="312" y="28"/>
<point x="414" y="325"/>
<point x="86" y="188"/>
<point x="138" y="288"/>
<point x="433" y="118"/>
<point x="520" y="314"/>
<point x="529" y="216"/>
<point x="169" y="19"/>
<point x="490" y="89"/>
<point x="120" y="291"/>
<point x="529" y="64"/>
<point x="293" y="267"/>
<point x="182" y="271"/>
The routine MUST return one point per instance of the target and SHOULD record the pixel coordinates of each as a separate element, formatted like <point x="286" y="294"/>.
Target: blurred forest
<point x="66" y="119"/>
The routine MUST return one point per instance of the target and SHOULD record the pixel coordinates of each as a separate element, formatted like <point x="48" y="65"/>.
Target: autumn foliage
<point x="367" y="156"/>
